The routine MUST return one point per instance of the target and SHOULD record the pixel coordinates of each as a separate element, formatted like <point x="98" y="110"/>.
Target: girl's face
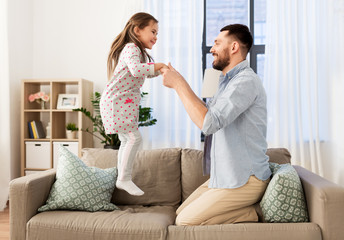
<point x="148" y="35"/>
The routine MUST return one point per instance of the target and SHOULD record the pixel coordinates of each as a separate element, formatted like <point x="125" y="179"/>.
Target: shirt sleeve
<point x="237" y="97"/>
<point x="132" y="57"/>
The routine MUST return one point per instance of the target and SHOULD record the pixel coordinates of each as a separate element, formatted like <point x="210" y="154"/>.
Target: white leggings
<point x="130" y="143"/>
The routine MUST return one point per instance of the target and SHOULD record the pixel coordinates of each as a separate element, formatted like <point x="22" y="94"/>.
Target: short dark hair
<point x="241" y="33"/>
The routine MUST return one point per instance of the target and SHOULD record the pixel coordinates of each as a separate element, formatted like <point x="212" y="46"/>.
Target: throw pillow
<point x="79" y="187"/>
<point x="284" y="200"/>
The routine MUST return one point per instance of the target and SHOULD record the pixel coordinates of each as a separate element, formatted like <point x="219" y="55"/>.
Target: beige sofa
<point x="168" y="177"/>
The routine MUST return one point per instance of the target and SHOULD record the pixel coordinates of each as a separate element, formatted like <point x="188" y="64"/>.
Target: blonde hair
<point x="140" y="20"/>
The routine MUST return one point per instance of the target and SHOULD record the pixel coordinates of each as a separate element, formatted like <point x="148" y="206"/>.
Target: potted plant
<point x="71" y="130"/>
<point x="112" y="140"/>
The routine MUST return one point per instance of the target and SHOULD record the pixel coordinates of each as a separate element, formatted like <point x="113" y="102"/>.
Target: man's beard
<point x="222" y="62"/>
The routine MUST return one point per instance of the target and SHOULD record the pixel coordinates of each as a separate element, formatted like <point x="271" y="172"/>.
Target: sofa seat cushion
<point x="134" y="222"/>
<point x="247" y="231"/>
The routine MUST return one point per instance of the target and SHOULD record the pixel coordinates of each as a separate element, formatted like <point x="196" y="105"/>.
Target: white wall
<point x="20" y="26"/>
<point x="71" y="39"/>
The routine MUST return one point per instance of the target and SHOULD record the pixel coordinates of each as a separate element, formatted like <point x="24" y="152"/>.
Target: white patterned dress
<point x="119" y="103"/>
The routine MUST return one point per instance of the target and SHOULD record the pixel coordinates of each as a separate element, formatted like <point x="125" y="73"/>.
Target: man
<point x="236" y="118"/>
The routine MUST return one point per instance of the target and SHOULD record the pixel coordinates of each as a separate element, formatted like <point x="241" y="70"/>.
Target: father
<point x="236" y="118"/>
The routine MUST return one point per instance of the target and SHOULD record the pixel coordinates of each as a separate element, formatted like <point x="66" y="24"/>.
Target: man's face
<point x="220" y="51"/>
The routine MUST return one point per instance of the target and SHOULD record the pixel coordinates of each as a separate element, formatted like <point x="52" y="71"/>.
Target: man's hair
<point x="241" y="33"/>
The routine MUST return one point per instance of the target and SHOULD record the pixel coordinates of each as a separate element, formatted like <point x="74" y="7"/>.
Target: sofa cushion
<point x="79" y="187"/>
<point x="99" y="157"/>
<point x="135" y="222"/>
<point x="192" y="173"/>
<point x="278" y="155"/>
<point x="247" y="231"/>
<point x="284" y="200"/>
<point x="156" y="172"/>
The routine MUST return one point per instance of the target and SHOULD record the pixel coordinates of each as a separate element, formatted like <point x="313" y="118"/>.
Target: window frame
<point x="255" y="50"/>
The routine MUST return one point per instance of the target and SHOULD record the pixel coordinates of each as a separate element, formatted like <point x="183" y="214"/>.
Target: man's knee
<point x="183" y="220"/>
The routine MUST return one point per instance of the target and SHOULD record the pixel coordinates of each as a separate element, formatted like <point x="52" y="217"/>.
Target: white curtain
<point x="304" y="45"/>
<point x="5" y="137"/>
<point x="179" y="42"/>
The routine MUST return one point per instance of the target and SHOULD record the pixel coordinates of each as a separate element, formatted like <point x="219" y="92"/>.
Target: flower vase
<point x="42" y="105"/>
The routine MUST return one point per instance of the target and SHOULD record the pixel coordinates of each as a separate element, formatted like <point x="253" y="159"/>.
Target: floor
<point x="5" y="225"/>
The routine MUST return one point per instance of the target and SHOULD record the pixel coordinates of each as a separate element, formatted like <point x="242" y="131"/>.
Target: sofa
<point x="168" y="177"/>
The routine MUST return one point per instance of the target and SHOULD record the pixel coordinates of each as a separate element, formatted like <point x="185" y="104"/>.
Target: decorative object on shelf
<point x="112" y="140"/>
<point x="48" y="130"/>
<point x="71" y="130"/>
<point x="67" y="101"/>
<point x="39" y="97"/>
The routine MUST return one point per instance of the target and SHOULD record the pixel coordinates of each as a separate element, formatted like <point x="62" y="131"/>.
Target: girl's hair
<point x="140" y="20"/>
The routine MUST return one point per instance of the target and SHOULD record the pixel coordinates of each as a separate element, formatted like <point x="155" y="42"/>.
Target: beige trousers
<point x="209" y="206"/>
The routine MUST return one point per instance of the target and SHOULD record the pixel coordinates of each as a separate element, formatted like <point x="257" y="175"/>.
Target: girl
<point x="119" y="104"/>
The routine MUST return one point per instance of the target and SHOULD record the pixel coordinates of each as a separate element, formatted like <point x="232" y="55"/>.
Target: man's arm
<point x="194" y="106"/>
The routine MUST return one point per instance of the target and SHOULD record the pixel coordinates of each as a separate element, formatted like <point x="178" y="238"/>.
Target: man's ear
<point x="235" y="47"/>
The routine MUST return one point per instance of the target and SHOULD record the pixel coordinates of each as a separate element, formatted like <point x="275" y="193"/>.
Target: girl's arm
<point x="131" y="55"/>
<point x="157" y="69"/>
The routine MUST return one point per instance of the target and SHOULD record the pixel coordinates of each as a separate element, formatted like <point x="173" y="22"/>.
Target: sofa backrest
<point x="191" y="167"/>
<point x="167" y="176"/>
<point x="157" y="172"/>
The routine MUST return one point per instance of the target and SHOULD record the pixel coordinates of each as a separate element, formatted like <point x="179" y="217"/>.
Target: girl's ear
<point x="137" y="31"/>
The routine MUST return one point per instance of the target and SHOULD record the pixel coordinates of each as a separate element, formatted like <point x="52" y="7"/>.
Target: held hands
<point x="171" y="78"/>
<point x="159" y="66"/>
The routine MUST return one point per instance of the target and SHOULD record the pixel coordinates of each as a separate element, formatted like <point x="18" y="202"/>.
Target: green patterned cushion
<point x="283" y="200"/>
<point x="79" y="187"/>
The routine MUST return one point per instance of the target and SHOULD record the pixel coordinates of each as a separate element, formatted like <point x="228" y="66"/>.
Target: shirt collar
<point x="234" y="71"/>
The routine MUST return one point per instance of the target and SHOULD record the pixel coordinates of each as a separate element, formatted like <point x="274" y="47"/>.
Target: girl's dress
<point x="119" y="103"/>
<point x="119" y="109"/>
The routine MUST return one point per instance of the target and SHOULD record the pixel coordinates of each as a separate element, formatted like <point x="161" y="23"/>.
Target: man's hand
<point x="171" y="78"/>
<point x="194" y="106"/>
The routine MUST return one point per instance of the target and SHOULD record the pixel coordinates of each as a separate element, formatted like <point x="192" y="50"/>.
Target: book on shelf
<point x="33" y="130"/>
<point x="36" y="129"/>
<point x="39" y="129"/>
<point x="30" y="130"/>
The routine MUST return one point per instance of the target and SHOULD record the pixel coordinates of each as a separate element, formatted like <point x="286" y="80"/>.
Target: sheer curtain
<point x="300" y="58"/>
<point x="179" y="42"/>
<point x="4" y="107"/>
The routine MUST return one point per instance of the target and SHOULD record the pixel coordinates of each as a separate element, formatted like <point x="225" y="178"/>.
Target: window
<point x="219" y="13"/>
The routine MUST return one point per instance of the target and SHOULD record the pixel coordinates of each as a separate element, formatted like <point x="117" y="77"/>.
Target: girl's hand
<point x="158" y="66"/>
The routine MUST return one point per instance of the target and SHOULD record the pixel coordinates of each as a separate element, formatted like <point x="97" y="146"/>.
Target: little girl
<point x="119" y="104"/>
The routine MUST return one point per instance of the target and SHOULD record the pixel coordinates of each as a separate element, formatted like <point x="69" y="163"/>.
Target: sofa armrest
<point x="324" y="202"/>
<point x="27" y="194"/>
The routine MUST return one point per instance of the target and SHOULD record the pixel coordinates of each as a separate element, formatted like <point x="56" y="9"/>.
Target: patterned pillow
<point x="79" y="187"/>
<point x="283" y="200"/>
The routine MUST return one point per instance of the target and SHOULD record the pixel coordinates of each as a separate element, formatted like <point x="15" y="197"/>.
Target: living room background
<point x="71" y="38"/>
